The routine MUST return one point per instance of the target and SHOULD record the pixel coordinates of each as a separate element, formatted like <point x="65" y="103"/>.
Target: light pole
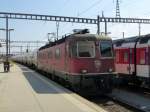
<point x="6" y="63"/>
<point x="9" y="30"/>
<point x="123" y="35"/>
<point x="2" y="29"/>
<point x="57" y="29"/>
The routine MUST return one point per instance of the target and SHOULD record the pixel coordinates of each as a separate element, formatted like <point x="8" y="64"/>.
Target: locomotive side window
<point x="74" y="50"/>
<point x="106" y="48"/>
<point x="86" y="49"/>
<point x="57" y="53"/>
<point x="50" y="54"/>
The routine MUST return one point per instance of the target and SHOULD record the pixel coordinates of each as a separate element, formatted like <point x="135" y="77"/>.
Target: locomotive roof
<point x="76" y="37"/>
<point x="90" y="36"/>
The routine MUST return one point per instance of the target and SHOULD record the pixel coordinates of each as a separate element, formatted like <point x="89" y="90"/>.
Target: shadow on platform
<point x="40" y="86"/>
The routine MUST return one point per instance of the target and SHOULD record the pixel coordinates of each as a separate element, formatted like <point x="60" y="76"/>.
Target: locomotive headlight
<point x="84" y="71"/>
<point x="110" y="70"/>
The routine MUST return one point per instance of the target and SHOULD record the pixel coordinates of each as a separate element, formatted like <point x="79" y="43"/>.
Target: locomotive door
<point x="66" y="56"/>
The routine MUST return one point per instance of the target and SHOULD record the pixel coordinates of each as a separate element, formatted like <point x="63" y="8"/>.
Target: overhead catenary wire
<point x="89" y="8"/>
<point x="63" y="6"/>
<point x="84" y="11"/>
<point x="60" y="10"/>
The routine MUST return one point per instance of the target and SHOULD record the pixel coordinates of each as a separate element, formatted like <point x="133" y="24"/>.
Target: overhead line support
<point x="6" y="39"/>
<point x="71" y="19"/>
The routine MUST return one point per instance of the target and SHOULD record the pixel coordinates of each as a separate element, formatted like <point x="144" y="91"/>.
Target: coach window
<point x="86" y="49"/>
<point x="117" y="56"/>
<point x="144" y="40"/>
<point x="149" y="41"/>
<point x="106" y="49"/>
<point x="57" y="53"/>
<point x="131" y="54"/>
<point x="126" y="57"/>
<point x="142" y="56"/>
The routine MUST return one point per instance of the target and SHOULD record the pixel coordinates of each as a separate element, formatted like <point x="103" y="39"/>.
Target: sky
<point x="37" y="30"/>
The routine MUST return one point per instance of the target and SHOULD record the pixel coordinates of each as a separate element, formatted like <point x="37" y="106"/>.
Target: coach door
<point x="126" y="61"/>
<point x="130" y="61"/>
<point x="149" y="58"/>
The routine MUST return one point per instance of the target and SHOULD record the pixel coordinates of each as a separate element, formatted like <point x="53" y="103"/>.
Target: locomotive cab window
<point x="74" y="50"/>
<point x="85" y="49"/>
<point x="106" y="49"/>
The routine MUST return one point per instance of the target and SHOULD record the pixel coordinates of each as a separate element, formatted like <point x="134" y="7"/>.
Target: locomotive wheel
<point x="55" y="78"/>
<point x="104" y="85"/>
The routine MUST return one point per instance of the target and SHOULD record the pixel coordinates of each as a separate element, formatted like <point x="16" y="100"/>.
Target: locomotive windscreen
<point x="106" y="49"/>
<point x="83" y="49"/>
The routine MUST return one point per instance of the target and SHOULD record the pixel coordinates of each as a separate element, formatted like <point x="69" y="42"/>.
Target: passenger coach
<point x="133" y="59"/>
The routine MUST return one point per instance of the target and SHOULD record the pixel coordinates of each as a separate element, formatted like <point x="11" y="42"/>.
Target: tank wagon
<point x="27" y="58"/>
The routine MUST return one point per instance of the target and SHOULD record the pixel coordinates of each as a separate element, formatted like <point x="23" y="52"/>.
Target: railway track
<point x="135" y="100"/>
<point x="109" y="104"/>
<point x="122" y="101"/>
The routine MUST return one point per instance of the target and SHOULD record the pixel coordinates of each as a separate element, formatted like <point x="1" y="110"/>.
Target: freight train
<point x="133" y="60"/>
<point x="85" y="61"/>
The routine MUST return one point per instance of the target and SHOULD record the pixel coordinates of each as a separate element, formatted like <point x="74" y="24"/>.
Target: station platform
<point x="24" y="90"/>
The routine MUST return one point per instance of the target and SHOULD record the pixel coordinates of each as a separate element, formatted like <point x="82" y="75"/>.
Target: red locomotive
<point x="83" y="60"/>
<point x="133" y="60"/>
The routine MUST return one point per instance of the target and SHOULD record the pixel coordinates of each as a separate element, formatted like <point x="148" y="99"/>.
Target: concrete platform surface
<point x="23" y="90"/>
